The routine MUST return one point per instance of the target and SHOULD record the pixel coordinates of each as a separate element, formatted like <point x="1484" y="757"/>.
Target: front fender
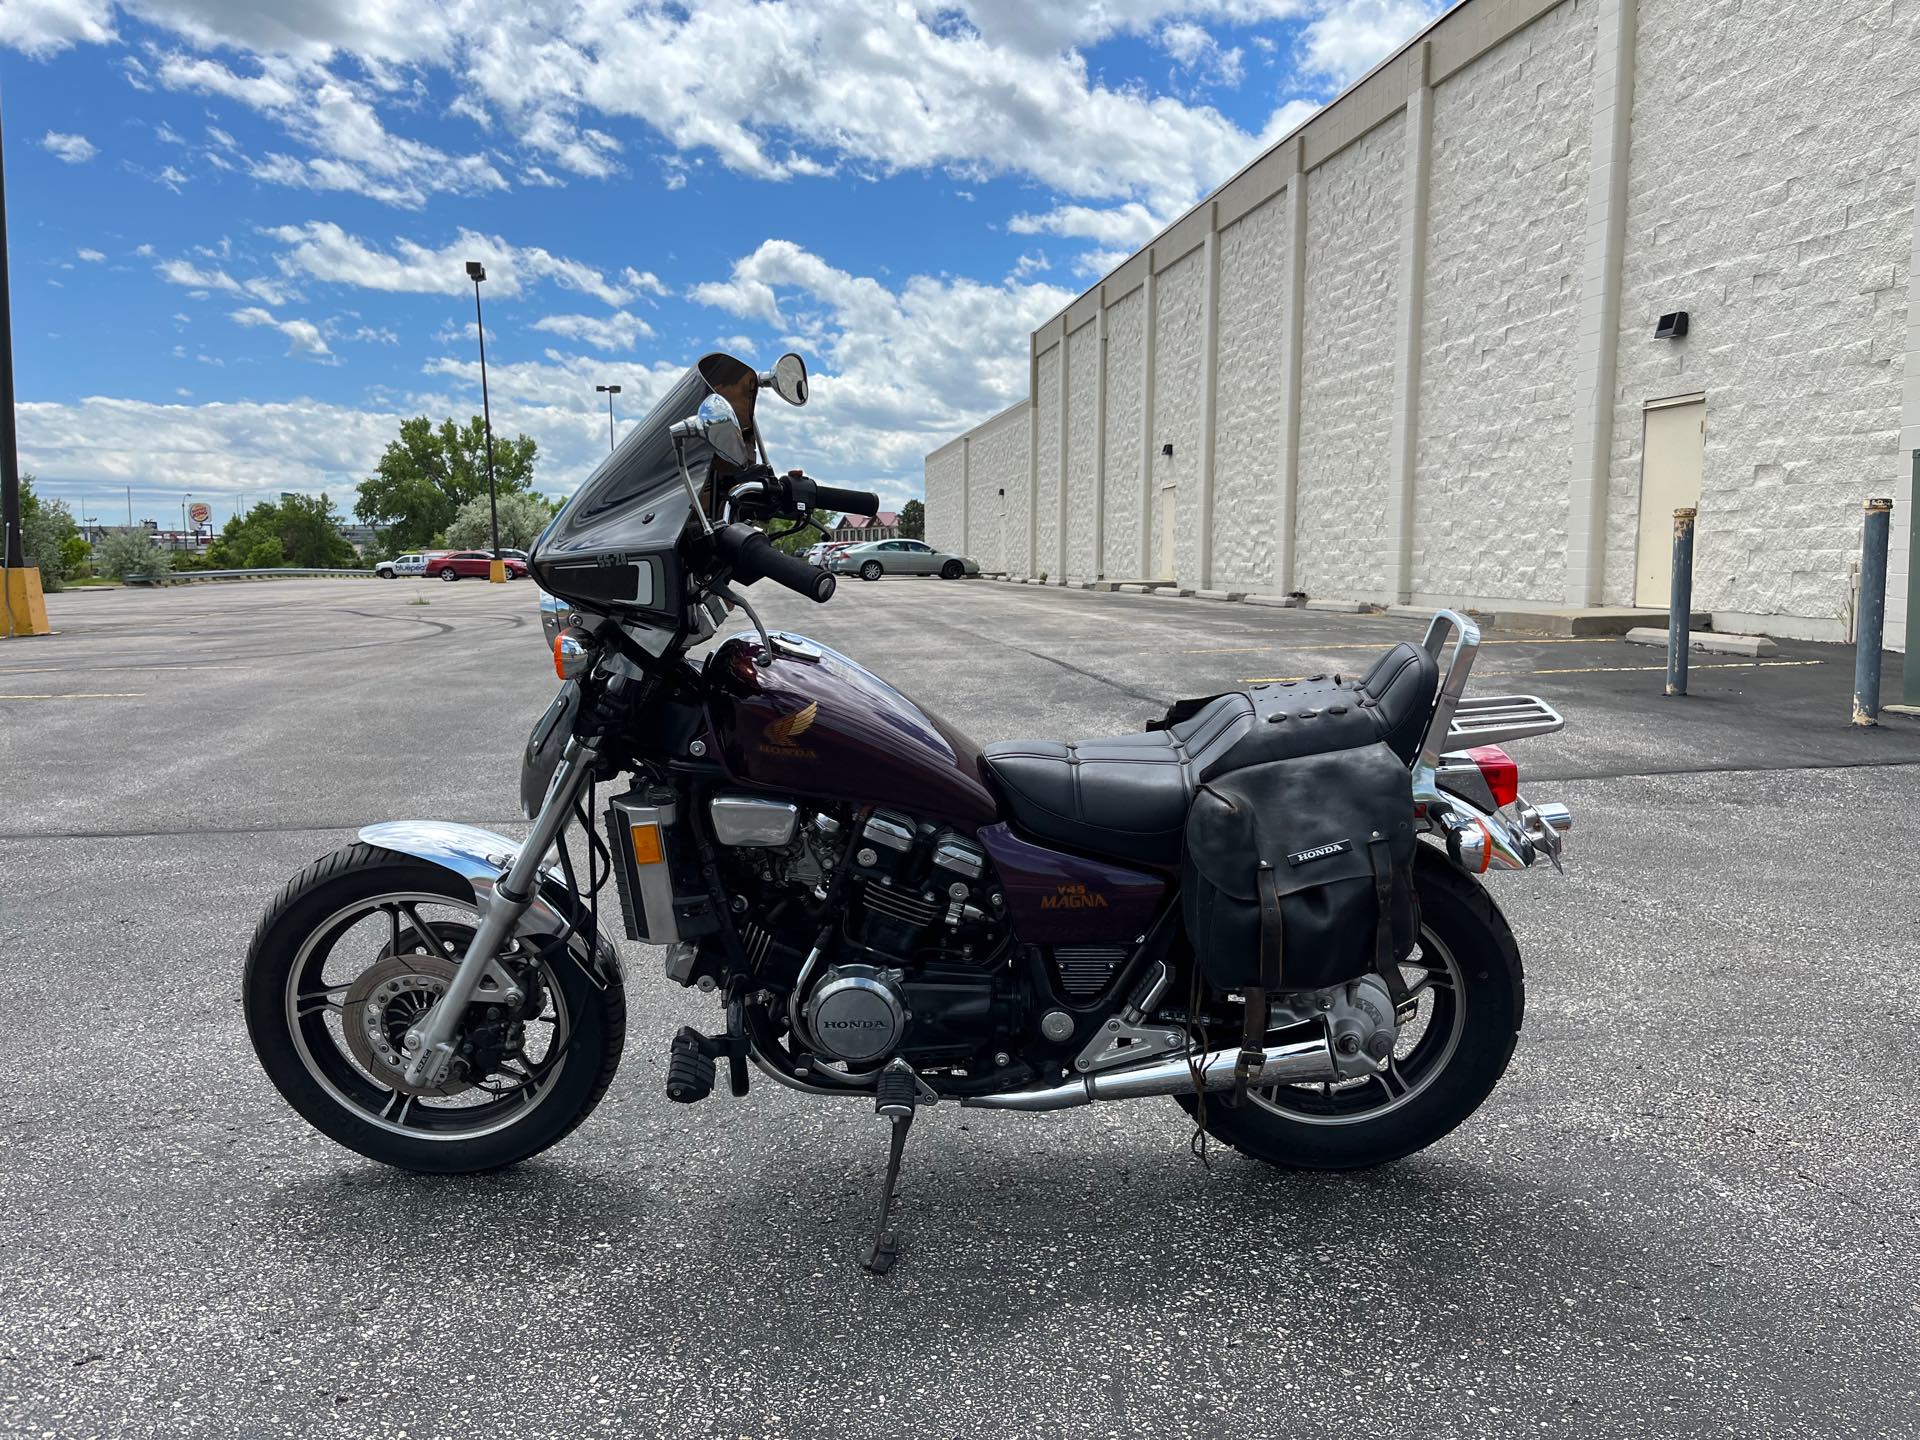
<point x="481" y="857"/>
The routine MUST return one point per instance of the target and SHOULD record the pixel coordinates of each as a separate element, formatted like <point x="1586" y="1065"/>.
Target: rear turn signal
<point x="1499" y="771"/>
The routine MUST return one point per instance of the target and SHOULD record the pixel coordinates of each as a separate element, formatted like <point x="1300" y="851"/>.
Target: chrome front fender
<point x="480" y="857"/>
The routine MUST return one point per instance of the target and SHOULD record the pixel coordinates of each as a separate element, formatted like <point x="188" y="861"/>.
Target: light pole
<point x="184" y="542"/>
<point x="610" y="391"/>
<point x="497" y="571"/>
<point x="22" y="600"/>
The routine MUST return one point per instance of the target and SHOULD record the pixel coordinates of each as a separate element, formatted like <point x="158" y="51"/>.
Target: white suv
<point x="414" y="564"/>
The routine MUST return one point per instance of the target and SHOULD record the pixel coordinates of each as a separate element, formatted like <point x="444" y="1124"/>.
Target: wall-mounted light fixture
<point x="1672" y="326"/>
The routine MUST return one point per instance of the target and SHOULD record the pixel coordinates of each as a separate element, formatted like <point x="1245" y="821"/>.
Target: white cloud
<point x="324" y="251"/>
<point x="304" y="336"/>
<point x="93" y="257"/>
<point x="897" y="369"/>
<point x="1350" y="37"/>
<point x="74" y="149"/>
<point x="617" y="331"/>
<point x="194" y="277"/>
<point x="1130" y="225"/>
<point x="44" y="27"/>
<point x="1196" y="51"/>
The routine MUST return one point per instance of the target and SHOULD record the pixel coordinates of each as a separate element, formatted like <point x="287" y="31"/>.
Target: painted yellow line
<point x="1582" y="670"/>
<point x="84" y="695"/>
<point x="1311" y="649"/>
<point x="1691" y="667"/>
<point x="82" y="669"/>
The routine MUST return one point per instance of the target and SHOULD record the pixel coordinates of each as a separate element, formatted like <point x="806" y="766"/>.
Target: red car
<point x="462" y="564"/>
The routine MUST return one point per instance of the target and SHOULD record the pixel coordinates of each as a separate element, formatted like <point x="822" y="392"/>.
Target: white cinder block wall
<point x="1432" y="294"/>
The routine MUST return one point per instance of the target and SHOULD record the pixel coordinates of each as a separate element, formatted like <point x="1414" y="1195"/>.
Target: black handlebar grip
<point x="754" y="558"/>
<point x="854" y="502"/>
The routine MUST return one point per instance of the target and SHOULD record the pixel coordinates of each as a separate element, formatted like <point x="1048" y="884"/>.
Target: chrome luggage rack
<point x="1485" y="719"/>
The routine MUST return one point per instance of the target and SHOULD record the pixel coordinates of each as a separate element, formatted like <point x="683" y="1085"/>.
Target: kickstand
<point x="894" y="1097"/>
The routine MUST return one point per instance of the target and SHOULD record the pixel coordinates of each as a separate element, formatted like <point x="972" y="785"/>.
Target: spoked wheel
<point x="449" y="573"/>
<point x="952" y="570"/>
<point x="871" y="570"/>
<point x="353" y="952"/>
<point x="1466" y="994"/>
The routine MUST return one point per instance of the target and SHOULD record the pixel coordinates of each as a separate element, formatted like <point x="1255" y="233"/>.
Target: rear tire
<point x="291" y="1051"/>
<point x="871" y="570"/>
<point x="952" y="570"/>
<point x="1297" y="1128"/>
<point x="449" y="574"/>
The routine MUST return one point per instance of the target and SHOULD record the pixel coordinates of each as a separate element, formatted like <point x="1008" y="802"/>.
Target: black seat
<point x="1125" y="796"/>
<point x="1128" y="795"/>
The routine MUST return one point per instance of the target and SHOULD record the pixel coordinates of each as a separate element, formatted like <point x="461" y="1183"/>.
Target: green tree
<point x="426" y="475"/>
<point x="304" y="531"/>
<point x="523" y="516"/>
<point x="913" y="521"/>
<point x="75" y="553"/>
<point x="45" y="528"/>
<point x="801" y="541"/>
<point x="131" y="552"/>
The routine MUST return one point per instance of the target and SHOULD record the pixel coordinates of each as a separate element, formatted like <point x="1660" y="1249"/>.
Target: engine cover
<point x="857" y="1013"/>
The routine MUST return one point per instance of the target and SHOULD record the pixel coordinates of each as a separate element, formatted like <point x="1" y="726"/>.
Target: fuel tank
<point x="816" y="723"/>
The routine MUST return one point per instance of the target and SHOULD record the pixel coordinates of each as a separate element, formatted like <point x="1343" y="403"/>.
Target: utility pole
<point x="25" y="604"/>
<point x="497" y="571"/>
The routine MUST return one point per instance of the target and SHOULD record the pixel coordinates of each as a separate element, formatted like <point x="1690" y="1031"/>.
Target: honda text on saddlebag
<point x="1264" y="906"/>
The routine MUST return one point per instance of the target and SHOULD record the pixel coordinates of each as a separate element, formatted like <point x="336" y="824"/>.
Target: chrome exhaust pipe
<point x="1282" y="1065"/>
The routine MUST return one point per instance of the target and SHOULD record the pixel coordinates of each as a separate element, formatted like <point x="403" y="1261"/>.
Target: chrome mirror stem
<point x="734" y="597"/>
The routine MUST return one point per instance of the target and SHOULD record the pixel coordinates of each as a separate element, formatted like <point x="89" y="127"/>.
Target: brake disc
<point x="389" y="998"/>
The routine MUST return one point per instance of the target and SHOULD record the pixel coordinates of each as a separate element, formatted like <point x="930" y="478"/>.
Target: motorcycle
<point x="1265" y="906"/>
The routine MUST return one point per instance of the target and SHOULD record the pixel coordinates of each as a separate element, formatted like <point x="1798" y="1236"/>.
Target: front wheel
<point x="1468" y="994"/>
<point x="352" y="952"/>
<point x="449" y="573"/>
<point x="384" y="573"/>
<point x="871" y="570"/>
<point x="952" y="570"/>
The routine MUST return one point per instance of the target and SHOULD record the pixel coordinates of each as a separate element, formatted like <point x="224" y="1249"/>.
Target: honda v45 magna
<point x="1263" y="906"/>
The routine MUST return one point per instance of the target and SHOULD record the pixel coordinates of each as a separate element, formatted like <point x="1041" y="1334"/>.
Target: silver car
<point x="899" y="557"/>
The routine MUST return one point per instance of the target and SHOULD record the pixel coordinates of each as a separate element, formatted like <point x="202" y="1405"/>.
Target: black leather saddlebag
<point x="1299" y="843"/>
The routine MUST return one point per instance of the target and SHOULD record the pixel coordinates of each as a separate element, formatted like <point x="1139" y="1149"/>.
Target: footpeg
<point x="896" y="1094"/>
<point x="690" y="1071"/>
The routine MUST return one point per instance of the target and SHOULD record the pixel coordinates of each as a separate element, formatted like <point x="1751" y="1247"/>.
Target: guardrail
<point x="286" y="573"/>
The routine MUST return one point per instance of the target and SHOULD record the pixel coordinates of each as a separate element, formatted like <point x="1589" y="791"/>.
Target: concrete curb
<point x="1277" y="602"/>
<point x="1752" y="646"/>
<point x="1339" y="607"/>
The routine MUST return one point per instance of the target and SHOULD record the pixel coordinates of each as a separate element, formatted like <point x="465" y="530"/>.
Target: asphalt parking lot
<point x="1688" y="1210"/>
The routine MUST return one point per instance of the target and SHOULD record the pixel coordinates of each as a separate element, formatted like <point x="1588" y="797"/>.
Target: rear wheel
<point x="352" y="952"/>
<point x="449" y="573"/>
<point x="952" y="570"/>
<point x="871" y="570"/>
<point x="1467" y="991"/>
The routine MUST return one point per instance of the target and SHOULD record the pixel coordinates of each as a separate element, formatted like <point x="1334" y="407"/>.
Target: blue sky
<point x="238" y="230"/>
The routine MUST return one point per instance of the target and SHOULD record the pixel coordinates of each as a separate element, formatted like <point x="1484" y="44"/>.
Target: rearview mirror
<point x="719" y="427"/>
<point x="787" y="379"/>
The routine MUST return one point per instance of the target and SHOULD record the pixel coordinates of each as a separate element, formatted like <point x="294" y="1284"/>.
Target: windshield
<point x="634" y="503"/>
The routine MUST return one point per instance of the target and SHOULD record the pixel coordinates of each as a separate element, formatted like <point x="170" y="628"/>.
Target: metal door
<point x="1671" y="456"/>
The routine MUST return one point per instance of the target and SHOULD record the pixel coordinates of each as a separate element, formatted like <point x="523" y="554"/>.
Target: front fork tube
<point x="429" y="1042"/>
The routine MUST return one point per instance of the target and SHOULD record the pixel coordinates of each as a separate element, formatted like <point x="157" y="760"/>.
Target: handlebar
<point x="854" y="502"/>
<point x="753" y="557"/>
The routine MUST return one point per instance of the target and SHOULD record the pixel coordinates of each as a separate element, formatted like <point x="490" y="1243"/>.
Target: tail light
<point x="1499" y="770"/>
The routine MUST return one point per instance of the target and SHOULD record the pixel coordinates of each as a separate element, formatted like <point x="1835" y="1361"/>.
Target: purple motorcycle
<point x="1262" y="906"/>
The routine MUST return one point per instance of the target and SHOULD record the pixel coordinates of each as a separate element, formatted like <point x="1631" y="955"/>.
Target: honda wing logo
<point x="781" y="735"/>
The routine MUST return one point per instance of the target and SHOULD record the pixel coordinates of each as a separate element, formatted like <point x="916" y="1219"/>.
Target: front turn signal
<point x="572" y="654"/>
<point x="646" y="844"/>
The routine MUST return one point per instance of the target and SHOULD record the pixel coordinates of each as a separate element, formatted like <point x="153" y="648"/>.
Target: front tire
<point x="449" y="574"/>
<point x="871" y="570"/>
<point x="384" y="572"/>
<point x="325" y="1026"/>
<point x="952" y="570"/>
<point x="1450" y="1056"/>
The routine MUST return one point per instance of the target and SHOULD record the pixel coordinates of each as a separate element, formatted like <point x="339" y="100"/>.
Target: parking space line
<point x="84" y="695"/>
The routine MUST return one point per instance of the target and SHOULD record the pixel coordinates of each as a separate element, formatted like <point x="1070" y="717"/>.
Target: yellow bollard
<point x="497" y="571"/>
<point x="25" y="609"/>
